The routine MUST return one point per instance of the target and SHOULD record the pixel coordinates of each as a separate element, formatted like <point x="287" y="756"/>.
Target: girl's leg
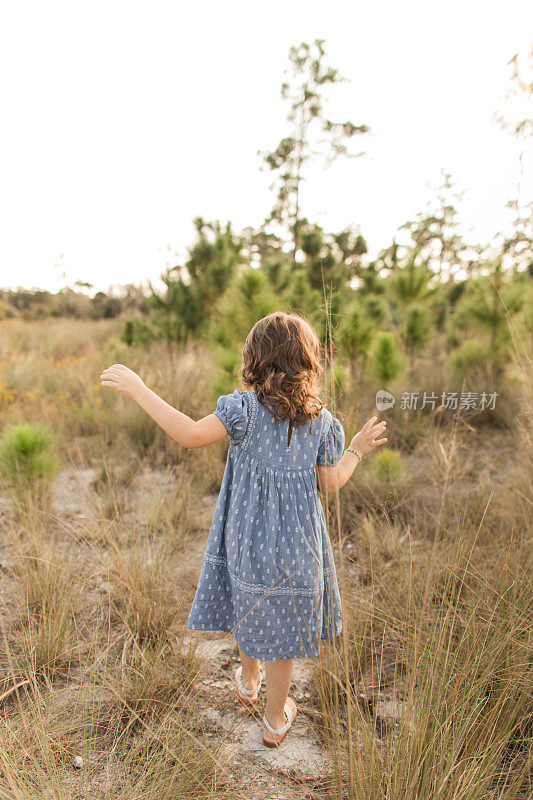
<point x="278" y="683"/>
<point x="250" y="670"/>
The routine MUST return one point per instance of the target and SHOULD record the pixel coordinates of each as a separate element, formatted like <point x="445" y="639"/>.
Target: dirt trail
<point x="271" y="774"/>
<point x="299" y="759"/>
<point x="283" y="771"/>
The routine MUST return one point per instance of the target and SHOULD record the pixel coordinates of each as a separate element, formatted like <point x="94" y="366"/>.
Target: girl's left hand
<point x="122" y="379"/>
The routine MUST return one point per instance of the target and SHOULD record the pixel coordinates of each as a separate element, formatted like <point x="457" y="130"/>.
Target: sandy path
<point x="271" y="774"/>
<point x="282" y="771"/>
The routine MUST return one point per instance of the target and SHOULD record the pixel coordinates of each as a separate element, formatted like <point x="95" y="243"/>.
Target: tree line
<point x="378" y="314"/>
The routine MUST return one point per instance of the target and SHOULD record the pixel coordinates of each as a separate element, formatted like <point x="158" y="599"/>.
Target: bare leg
<point x="250" y="670"/>
<point x="278" y="684"/>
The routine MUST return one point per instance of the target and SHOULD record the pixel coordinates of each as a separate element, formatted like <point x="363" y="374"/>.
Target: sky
<point x="123" y="121"/>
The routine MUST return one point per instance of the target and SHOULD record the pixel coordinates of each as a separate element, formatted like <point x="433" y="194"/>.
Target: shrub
<point x="468" y="355"/>
<point x="137" y="331"/>
<point x="417" y="329"/>
<point x="389" y="464"/>
<point x="28" y="456"/>
<point x="386" y="362"/>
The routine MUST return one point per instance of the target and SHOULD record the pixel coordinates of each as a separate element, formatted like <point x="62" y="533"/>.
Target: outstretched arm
<point x="178" y="425"/>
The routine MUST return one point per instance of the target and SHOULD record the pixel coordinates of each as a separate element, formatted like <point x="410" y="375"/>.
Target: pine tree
<point x="184" y="307"/>
<point x="310" y="76"/>
<point x="248" y="298"/>
<point x="355" y="335"/>
<point x="385" y="362"/>
<point x="488" y="305"/>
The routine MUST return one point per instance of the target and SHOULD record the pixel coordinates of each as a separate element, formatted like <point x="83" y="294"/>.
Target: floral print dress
<point x="268" y="574"/>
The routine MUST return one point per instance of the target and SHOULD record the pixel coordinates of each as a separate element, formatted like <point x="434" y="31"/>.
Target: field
<point x="427" y="692"/>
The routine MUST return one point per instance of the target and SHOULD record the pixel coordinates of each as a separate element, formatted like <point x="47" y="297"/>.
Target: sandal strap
<point x="242" y="687"/>
<point x="284" y="728"/>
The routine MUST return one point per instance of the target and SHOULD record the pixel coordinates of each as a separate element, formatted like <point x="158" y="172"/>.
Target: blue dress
<point x="268" y="574"/>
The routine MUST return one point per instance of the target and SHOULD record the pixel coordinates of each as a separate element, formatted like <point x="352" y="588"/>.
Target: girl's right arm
<point x="178" y="425"/>
<point x="331" y="479"/>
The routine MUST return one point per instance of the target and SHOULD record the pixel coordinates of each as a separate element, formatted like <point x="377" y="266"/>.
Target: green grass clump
<point x="389" y="464"/>
<point x="28" y="456"/>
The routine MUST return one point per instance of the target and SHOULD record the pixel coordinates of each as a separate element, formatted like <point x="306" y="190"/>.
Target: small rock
<point x="77" y="762"/>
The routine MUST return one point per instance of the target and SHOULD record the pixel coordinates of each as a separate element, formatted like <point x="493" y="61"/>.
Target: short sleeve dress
<point x="268" y="574"/>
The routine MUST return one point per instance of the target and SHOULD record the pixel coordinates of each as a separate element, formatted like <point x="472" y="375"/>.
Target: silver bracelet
<point x="354" y="451"/>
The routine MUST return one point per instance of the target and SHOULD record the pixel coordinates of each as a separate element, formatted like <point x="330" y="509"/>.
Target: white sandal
<point x="284" y="728"/>
<point x="245" y="695"/>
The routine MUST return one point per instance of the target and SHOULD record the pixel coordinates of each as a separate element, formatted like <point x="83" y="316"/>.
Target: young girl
<point x="268" y="573"/>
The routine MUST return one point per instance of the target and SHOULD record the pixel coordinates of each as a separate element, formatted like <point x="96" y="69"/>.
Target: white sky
<point x="122" y="121"/>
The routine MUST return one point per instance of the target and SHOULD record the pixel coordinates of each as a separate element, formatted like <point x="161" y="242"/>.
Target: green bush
<point x="389" y="464"/>
<point x="473" y="357"/>
<point x="468" y="356"/>
<point x="28" y="456"/>
<point x="386" y="361"/>
<point x="416" y="329"/>
<point x="137" y="331"/>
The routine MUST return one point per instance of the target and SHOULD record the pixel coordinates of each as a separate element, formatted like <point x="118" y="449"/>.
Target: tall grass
<point x="50" y="373"/>
<point x="427" y="692"/>
<point x="98" y="694"/>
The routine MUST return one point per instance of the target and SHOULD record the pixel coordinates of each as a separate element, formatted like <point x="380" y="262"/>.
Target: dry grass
<point x="92" y="667"/>
<point x="427" y="693"/>
<point x="92" y="663"/>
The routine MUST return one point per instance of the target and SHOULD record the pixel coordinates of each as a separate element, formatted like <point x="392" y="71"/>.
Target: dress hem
<point x="261" y="655"/>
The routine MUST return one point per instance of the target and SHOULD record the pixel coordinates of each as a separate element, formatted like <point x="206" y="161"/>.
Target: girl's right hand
<point x="365" y="441"/>
<point x="122" y="379"/>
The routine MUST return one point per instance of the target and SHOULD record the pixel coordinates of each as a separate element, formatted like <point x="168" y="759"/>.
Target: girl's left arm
<point x="178" y="425"/>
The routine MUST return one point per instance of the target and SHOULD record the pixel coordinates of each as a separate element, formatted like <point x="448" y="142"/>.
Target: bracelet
<point x="354" y="451"/>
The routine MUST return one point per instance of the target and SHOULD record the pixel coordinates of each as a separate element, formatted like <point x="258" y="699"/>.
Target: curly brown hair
<point x="281" y="364"/>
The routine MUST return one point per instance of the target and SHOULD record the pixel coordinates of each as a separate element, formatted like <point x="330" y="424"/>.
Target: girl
<point x="268" y="573"/>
